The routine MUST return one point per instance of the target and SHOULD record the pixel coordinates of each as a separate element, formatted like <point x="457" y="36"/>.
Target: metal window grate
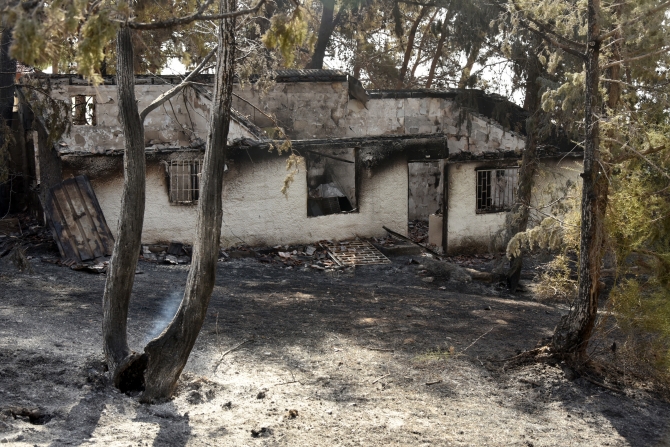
<point x="355" y="253"/>
<point x="496" y="189"/>
<point x="184" y="181"/>
<point x="83" y="110"/>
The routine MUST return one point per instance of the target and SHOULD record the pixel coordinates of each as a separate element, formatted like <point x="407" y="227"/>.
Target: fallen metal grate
<point x="355" y="253"/>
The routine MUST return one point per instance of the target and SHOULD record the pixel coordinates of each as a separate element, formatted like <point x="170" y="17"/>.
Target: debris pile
<point x="21" y="237"/>
<point x="314" y="256"/>
<point x="418" y="231"/>
<point x="472" y="261"/>
<point x="175" y="253"/>
<point x="24" y="231"/>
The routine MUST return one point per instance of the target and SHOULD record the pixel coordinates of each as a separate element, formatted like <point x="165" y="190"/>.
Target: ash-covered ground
<point x="369" y="356"/>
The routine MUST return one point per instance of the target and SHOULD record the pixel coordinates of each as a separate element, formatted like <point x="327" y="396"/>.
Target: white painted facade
<point x="472" y="232"/>
<point x="255" y="211"/>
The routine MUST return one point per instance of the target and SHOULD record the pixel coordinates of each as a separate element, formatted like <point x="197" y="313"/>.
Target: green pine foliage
<point x="287" y="33"/>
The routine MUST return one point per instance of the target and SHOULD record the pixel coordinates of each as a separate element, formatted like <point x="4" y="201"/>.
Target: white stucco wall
<point x="256" y="212"/>
<point x="472" y="232"/>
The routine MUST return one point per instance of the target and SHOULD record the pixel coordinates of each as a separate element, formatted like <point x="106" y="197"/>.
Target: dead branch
<point x="434" y="382"/>
<point x="379" y="349"/>
<point x="231" y="350"/>
<point x="478" y="338"/>
<point x="380" y="378"/>
<point x="198" y="15"/>
<point x="595" y="382"/>
<point x="176" y="89"/>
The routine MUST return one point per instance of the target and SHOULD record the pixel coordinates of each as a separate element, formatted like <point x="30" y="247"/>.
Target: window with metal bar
<point x="496" y="189"/>
<point x="83" y="110"/>
<point x="184" y="181"/>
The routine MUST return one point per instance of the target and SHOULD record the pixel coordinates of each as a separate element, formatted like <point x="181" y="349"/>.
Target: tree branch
<point x="624" y="157"/>
<point x="632" y="21"/>
<point x="547" y="29"/>
<point x="198" y="15"/>
<point x="631" y="59"/>
<point x="544" y="32"/>
<point x="557" y="44"/>
<point x="176" y="89"/>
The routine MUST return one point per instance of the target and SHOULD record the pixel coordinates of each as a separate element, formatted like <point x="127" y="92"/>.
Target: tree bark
<point x="7" y="80"/>
<point x="410" y="47"/>
<point x="573" y="331"/>
<point x="168" y="353"/>
<point x="325" y="31"/>
<point x="518" y="216"/>
<point x="444" y="32"/>
<point x="121" y="272"/>
<point x="7" y="75"/>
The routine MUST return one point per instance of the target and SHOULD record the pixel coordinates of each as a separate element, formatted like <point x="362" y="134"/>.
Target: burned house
<point x="368" y="160"/>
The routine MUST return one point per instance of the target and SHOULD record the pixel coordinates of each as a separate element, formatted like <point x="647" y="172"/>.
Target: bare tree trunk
<point x="121" y="273"/>
<point x="440" y="45"/>
<point x="422" y="44"/>
<point x="325" y="31"/>
<point x="410" y="47"/>
<point x="518" y="216"/>
<point x="573" y="332"/>
<point x="168" y="353"/>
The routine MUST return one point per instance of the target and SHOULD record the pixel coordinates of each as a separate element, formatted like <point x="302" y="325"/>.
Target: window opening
<point x="83" y="110"/>
<point x="184" y="181"/>
<point x="331" y="182"/>
<point x="496" y="189"/>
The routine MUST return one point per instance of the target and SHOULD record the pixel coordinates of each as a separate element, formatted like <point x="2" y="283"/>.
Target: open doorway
<point x="424" y="198"/>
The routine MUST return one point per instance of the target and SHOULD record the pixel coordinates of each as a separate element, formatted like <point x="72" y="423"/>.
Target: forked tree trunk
<point x="168" y="353"/>
<point x="573" y="331"/>
<point x="518" y="216"/>
<point x="121" y="272"/>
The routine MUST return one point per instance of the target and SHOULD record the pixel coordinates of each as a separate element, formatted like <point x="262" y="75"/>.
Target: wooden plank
<point x="59" y="228"/>
<point x="84" y="221"/>
<point x="70" y="218"/>
<point x="77" y="222"/>
<point x="102" y="230"/>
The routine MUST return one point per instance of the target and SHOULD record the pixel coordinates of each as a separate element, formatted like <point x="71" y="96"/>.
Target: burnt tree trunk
<point x="7" y="75"/>
<point x="573" y="331"/>
<point x="518" y="216"/>
<point x="325" y="31"/>
<point x="121" y="272"/>
<point x="7" y="79"/>
<point x="168" y="353"/>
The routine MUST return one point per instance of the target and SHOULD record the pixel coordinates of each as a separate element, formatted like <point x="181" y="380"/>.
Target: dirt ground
<point x="371" y="356"/>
